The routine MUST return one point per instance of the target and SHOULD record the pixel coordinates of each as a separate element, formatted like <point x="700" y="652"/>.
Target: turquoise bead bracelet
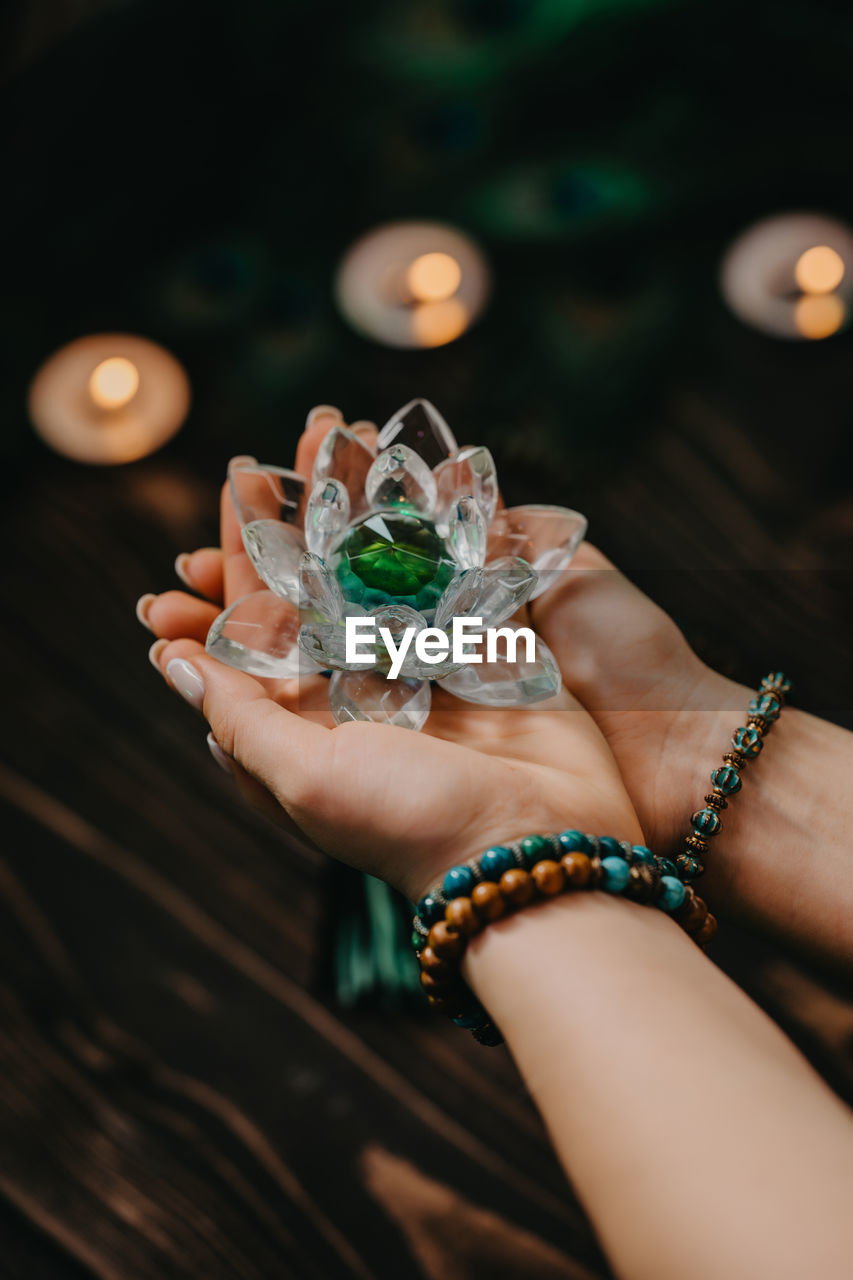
<point x="510" y="876"/>
<point x="747" y="743"/>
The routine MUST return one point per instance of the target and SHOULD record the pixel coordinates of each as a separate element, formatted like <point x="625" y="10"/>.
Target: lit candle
<point x="109" y="398"/>
<point x="791" y="275"/>
<point x="412" y="284"/>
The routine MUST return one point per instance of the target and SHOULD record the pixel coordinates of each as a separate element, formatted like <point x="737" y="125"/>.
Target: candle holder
<point x="408" y="536"/>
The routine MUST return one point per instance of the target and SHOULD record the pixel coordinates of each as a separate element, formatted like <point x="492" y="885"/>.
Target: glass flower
<point x="409" y="534"/>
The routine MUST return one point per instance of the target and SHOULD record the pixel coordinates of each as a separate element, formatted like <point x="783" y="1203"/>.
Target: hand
<point x="400" y="805"/>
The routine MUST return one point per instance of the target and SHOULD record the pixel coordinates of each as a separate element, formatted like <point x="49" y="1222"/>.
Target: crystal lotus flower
<point x="408" y="533"/>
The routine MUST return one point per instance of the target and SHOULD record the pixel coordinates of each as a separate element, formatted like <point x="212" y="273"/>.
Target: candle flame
<point x="819" y="270"/>
<point x="114" y="382"/>
<point x="432" y="277"/>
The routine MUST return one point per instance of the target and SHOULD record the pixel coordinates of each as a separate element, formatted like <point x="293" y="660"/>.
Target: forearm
<point x="784" y="858"/>
<point x="684" y="1118"/>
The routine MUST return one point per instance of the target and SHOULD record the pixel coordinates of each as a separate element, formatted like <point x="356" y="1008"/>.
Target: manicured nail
<point x="186" y="681"/>
<point x="323" y="411"/>
<point x="143" y="604"/>
<point x="221" y="757"/>
<point x="242" y="460"/>
<point x="367" y="430"/>
<point x="181" y="563"/>
<point x="154" y="653"/>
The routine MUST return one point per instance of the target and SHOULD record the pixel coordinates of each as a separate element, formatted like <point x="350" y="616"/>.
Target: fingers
<point x="174" y="614"/>
<point x="202" y="571"/>
<point x="318" y="424"/>
<point x="279" y="749"/>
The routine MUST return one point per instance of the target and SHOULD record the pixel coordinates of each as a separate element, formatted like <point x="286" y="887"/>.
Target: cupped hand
<point x="403" y="806"/>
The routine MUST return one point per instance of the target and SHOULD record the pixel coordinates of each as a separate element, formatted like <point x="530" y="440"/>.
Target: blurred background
<point x="626" y="267"/>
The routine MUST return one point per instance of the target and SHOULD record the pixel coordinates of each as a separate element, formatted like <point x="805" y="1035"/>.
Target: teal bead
<point x="458" y="882"/>
<point x="615" y="874"/>
<point x="575" y="842"/>
<point x="727" y="780"/>
<point x="671" y="893"/>
<point x="430" y="910"/>
<point x="747" y="741"/>
<point x="688" y="867"/>
<point x="534" y="848"/>
<point x="666" y="867"/>
<point x="642" y="854"/>
<point x="496" y="861"/>
<point x="608" y="847"/>
<point x="417" y="941"/>
<point x="473" y="1018"/>
<point x="776" y="682"/>
<point x="706" y="822"/>
<point x="766" y="705"/>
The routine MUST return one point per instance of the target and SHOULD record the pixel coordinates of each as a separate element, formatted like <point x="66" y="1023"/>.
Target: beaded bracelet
<point x="508" y="877"/>
<point x="762" y="713"/>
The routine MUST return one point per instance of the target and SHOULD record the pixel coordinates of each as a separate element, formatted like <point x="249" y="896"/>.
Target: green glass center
<point x="395" y="555"/>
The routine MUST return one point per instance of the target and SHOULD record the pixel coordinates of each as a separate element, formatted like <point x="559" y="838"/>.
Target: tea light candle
<point x="412" y="284"/>
<point x="791" y="275"/>
<point x="109" y="398"/>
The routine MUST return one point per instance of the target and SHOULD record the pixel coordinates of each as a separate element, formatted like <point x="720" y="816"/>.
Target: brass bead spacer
<point x="696" y="846"/>
<point x="759" y="723"/>
<point x="735" y="759"/>
<point x="716" y="800"/>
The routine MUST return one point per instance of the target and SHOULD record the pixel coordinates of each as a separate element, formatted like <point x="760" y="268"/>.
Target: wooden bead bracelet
<point x="747" y="743"/>
<point x="508" y="877"/>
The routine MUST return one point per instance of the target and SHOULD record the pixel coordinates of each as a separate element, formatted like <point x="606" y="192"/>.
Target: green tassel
<point x="369" y="956"/>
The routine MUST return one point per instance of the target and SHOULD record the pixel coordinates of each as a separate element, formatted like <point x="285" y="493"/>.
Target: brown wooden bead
<point x="549" y="877"/>
<point x="596" y="875"/>
<point x="577" y="868"/>
<point x="446" y="941"/>
<point x="435" y="986"/>
<point x="461" y="914"/>
<point x="487" y="901"/>
<point x="707" y="931"/>
<point x="642" y="882"/>
<point x="516" y="887"/>
<point x="431" y="963"/>
<point x="692" y="912"/>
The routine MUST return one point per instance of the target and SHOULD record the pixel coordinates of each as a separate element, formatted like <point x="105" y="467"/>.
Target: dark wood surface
<point x="178" y="1096"/>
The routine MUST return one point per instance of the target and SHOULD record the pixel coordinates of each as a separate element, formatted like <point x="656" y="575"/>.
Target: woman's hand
<point x="400" y="805"/>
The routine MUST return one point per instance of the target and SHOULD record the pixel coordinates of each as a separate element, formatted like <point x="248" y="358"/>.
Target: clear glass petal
<point x="343" y="456"/>
<point x="327" y="514"/>
<point x="471" y="472"/>
<point x="400" y="478"/>
<point x="461" y="597"/>
<point x="367" y="695"/>
<point x="546" y="537"/>
<point x="275" y="550"/>
<point x="259" y="492"/>
<point x="466" y="534"/>
<point x="325" y="644"/>
<point x="319" y="590"/>
<point x="258" y="634"/>
<point x="420" y="426"/>
<point x="396" y="618"/>
<point x="507" y="684"/>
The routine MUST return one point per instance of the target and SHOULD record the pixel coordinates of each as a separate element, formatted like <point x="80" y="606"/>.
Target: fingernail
<point x="323" y="411"/>
<point x="242" y="460"/>
<point x="186" y="681"/>
<point x="143" y="604"/>
<point x="221" y="757"/>
<point x="367" y="430"/>
<point x="181" y="563"/>
<point x="154" y="653"/>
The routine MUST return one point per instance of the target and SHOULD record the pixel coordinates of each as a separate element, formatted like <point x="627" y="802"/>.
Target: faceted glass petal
<point x="546" y="537"/>
<point x="325" y="644"/>
<point x="266" y="493"/>
<point x="319" y="590"/>
<point x="420" y="426"/>
<point x="367" y="695"/>
<point x="258" y="634"/>
<point x="466" y="534"/>
<point x="471" y="473"/>
<point x="461" y="597"/>
<point x="397" y="618"/>
<point x="506" y="684"/>
<point x="275" y="550"/>
<point x="343" y="456"/>
<point x="327" y="514"/>
<point x="492" y="594"/>
<point x="400" y="478"/>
